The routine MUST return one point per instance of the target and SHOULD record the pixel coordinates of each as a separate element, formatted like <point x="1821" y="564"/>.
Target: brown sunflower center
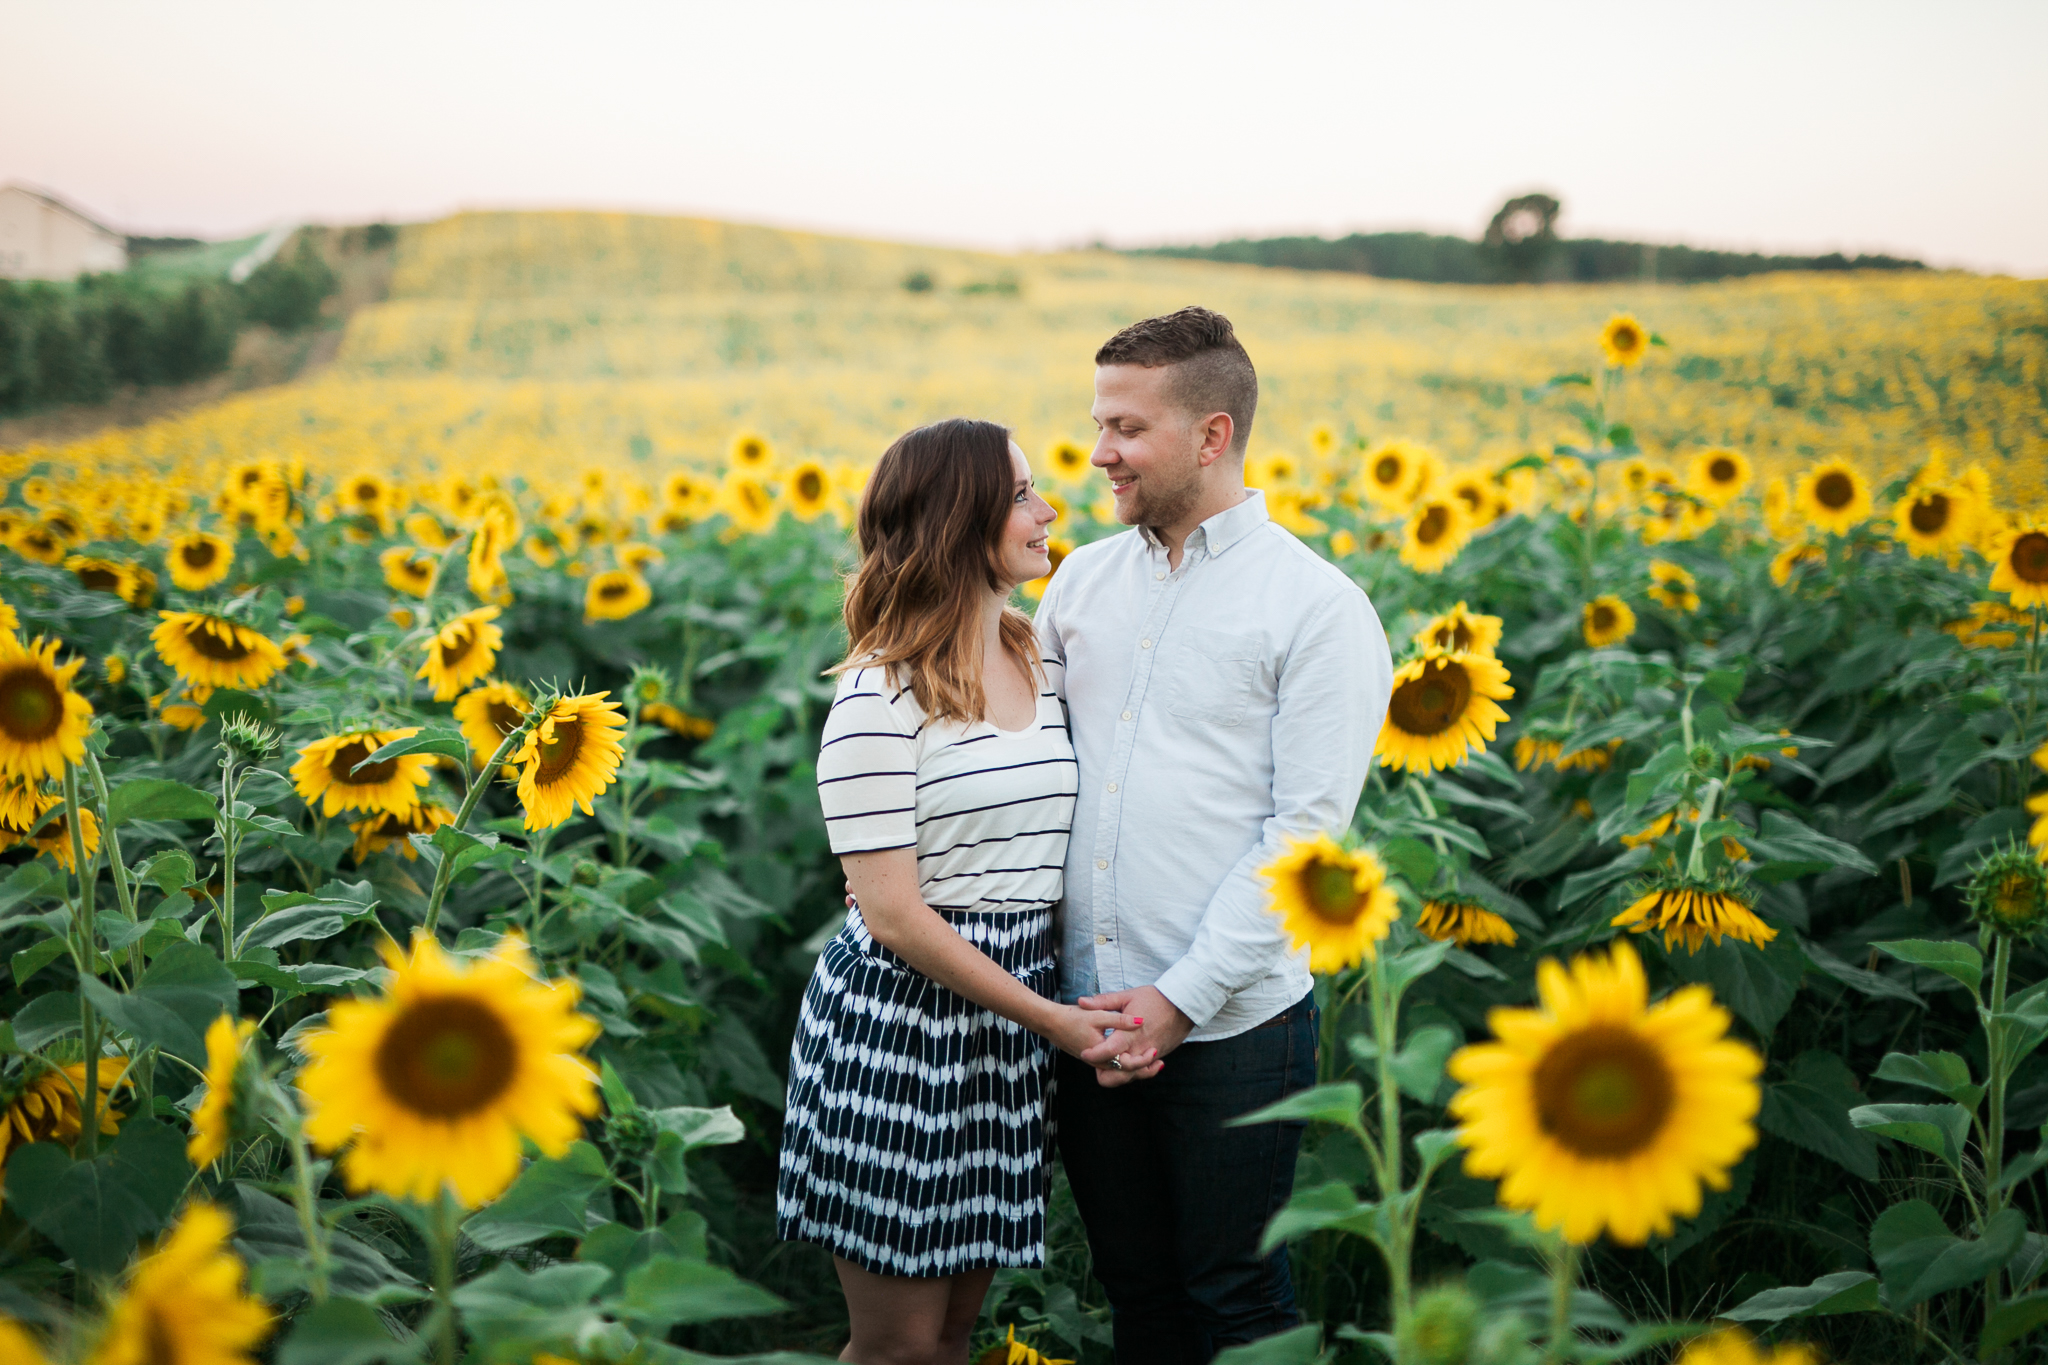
<point x="31" y="707"/>
<point x="1603" y="618"/>
<point x="1432" y="703"/>
<point x="558" y="755"/>
<point x="225" y="647"/>
<point x="809" y="486"/>
<point x="366" y="494"/>
<point x="1929" y="515"/>
<point x="354" y="752"/>
<point x="1435" y="523"/>
<point x="504" y="716"/>
<point x="99" y="579"/>
<point x="1834" y="490"/>
<point x="445" y="1058"/>
<point x="1721" y="469"/>
<point x="457" y="646"/>
<point x="614" y="588"/>
<point x="750" y="451"/>
<point x="2029" y="557"/>
<point x="1455" y="636"/>
<point x="198" y="554"/>
<point x="1386" y="471"/>
<point x="1330" y="890"/>
<point x="1603" y="1092"/>
<point x="1627" y="338"/>
<point x="1471" y="495"/>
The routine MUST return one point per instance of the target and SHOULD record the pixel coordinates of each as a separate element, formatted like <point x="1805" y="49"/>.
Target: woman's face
<point x="1021" y="556"/>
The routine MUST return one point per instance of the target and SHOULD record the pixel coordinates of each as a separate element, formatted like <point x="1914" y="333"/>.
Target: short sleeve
<point x="867" y="771"/>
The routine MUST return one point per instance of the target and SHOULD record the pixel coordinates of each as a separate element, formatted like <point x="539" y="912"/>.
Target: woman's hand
<point x="1074" y="1030"/>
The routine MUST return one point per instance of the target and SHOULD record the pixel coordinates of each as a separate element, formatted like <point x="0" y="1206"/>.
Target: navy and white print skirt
<point x="916" y="1139"/>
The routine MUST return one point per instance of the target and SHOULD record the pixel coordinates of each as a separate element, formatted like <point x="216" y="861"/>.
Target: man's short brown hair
<point x="1211" y="372"/>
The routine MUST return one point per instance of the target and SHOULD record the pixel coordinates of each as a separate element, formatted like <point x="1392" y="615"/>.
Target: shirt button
<point x="1144" y="644"/>
<point x="1127" y="715"/>
<point x="1102" y="938"/>
<point x="1101" y="863"/>
<point x="1112" y="786"/>
<point x="1159" y="575"/>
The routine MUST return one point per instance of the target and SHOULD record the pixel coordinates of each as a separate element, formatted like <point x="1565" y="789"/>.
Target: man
<point x="1224" y="685"/>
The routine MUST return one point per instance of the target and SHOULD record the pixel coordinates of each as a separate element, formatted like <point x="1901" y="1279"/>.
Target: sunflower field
<point x="414" y="858"/>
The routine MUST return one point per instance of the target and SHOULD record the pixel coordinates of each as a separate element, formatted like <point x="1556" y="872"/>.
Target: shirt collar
<point x="1223" y="530"/>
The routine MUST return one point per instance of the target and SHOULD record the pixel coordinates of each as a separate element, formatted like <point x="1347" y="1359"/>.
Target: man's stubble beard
<point x="1166" y="506"/>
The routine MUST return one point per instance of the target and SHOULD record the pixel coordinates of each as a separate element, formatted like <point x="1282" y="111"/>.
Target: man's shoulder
<point x="1098" y="552"/>
<point x="1282" y="547"/>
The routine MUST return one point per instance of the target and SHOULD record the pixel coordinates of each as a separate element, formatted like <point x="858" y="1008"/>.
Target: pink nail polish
<point x="1140" y="1020"/>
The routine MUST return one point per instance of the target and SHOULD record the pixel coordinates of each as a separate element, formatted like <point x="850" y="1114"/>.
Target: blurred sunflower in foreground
<point x="185" y="1302"/>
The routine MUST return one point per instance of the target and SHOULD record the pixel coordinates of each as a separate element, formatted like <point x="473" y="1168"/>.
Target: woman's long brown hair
<point x="931" y="528"/>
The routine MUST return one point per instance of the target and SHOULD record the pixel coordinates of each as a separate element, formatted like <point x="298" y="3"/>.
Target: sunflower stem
<point x="1393" y="1194"/>
<point x="1564" y="1279"/>
<point x="306" y="1199"/>
<point x="1994" y="1113"/>
<point x="1696" y="865"/>
<point x="448" y="1338"/>
<point x="88" y="1021"/>
<point x="445" y="869"/>
<point x="229" y="839"/>
<point x="124" y="891"/>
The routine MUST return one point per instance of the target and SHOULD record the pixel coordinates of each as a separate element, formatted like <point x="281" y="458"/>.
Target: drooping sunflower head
<point x="1443" y="709"/>
<point x="54" y="838"/>
<point x="434" y="1085"/>
<point x="43" y="722"/>
<point x="408" y="570"/>
<point x="1607" y="620"/>
<point x="1600" y="1112"/>
<point x="335" y="772"/>
<point x="749" y="502"/>
<point x="384" y="829"/>
<point x="750" y="453"/>
<point x="569" y="758"/>
<point x="1331" y="900"/>
<point x="2020" y="565"/>
<point x="1460" y="631"/>
<point x="614" y="595"/>
<point x="1437" y="529"/>
<point x="1464" y="921"/>
<point x="1623" y="341"/>
<point x="211" y="651"/>
<point x="1691" y="912"/>
<point x="1833" y="496"/>
<point x="461" y="651"/>
<point x="680" y="721"/>
<point x="101" y="575"/>
<point x="489" y="713"/>
<point x="214" y="1120"/>
<point x="2008" y="892"/>
<point x="185" y="1301"/>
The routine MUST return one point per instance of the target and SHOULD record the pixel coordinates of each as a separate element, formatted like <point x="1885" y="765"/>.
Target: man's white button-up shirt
<point x="1217" y="709"/>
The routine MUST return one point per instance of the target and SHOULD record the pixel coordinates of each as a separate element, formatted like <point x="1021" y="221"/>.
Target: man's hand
<point x="1165" y="1028"/>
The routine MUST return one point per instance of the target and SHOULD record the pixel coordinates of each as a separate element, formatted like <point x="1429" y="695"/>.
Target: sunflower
<point x="199" y="559"/>
<point x="489" y="713"/>
<point x="749" y="503"/>
<point x="1474" y="491"/>
<point x="638" y="556"/>
<point x="750" y="453"/>
<point x="10" y="619"/>
<point x="1437" y="529"/>
<point x="435" y="1084"/>
<point x="487" y="545"/>
<point x="409" y="570"/>
<point x="1624" y="341"/>
<point x="569" y="758"/>
<point x="102" y="575"/>
<point x="1464" y="922"/>
<point x="1601" y="1112"/>
<point x="38" y="541"/>
<point x="1778" y="517"/>
<point x="328" y="772"/>
<point x="1333" y="901"/>
<point x="461" y="651"/>
<point x="1343" y="543"/>
<point x="367" y="494"/>
<point x="1676" y="518"/>
<point x="1443" y="708"/>
<point x="614" y="595"/>
<point x="689" y="493"/>
<point x="43" y="723"/>
<point x="1978" y="629"/>
<point x="678" y="720"/>
<point x="1692" y="912"/>
<point x="1057" y="551"/>
<point x="1732" y="1346"/>
<point x="1278" y="470"/>
<point x="54" y="838"/>
<point x="1460" y="631"/>
<point x="48" y="1108"/>
<point x="385" y="828"/>
<point x="213" y="1120"/>
<point x="17" y="1346"/>
<point x="1651" y="832"/>
<point x="1390" y="474"/>
<point x="185" y="1301"/>
<point x="211" y="651"/>
<point x="1607" y="621"/>
<point x="1067" y="461"/>
<point x="810" y="491"/>
<point x="1790" y="558"/>
<point x="1288" y="508"/>
<point x="1008" y="1351"/>
<point x="2020" y="557"/>
<point x="426" y="529"/>
<point x="1833" y="496"/>
<point x="1718" y="476"/>
<point x="1672" y="585"/>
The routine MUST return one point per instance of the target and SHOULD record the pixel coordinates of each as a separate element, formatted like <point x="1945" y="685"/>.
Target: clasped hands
<point x="1136" y="1053"/>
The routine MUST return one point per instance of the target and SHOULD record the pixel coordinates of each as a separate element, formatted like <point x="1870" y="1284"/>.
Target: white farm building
<point x="44" y="238"/>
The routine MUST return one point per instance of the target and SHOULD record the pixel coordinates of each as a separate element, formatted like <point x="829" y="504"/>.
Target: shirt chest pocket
<point x="1212" y="673"/>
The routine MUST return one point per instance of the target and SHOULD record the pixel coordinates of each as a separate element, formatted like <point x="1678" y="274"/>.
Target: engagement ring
<point x="1117" y="1062"/>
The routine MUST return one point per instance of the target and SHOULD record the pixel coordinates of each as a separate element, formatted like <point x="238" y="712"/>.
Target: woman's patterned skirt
<point x="916" y="1140"/>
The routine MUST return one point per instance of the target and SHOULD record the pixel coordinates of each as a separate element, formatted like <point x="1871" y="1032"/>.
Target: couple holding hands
<point x="1051" y="831"/>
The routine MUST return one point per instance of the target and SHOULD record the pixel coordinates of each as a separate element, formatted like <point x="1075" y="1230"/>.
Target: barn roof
<point x="54" y="202"/>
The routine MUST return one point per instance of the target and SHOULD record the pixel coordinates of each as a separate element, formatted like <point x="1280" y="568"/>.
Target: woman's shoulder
<point x="863" y="687"/>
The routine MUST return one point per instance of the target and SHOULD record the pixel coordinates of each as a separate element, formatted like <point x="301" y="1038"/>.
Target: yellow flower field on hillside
<point x="516" y="342"/>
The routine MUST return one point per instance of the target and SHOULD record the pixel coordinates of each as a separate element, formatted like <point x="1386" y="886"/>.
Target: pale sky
<point x="1918" y="129"/>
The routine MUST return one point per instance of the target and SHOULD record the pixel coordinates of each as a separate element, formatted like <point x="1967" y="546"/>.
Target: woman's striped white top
<point x="988" y="810"/>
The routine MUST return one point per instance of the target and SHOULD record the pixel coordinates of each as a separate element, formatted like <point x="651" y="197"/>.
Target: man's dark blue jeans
<point x="1175" y="1202"/>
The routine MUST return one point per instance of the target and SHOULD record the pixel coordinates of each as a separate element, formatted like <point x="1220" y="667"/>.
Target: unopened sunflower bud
<point x="631" y="1134"/>
<point x="1440" y="1329"/>
<point x="586" y="873"/>
<point x="248" y="737"/>
<point x="2008" y="893"/>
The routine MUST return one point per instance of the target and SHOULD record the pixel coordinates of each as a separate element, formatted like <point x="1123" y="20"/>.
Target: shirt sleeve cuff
<point x="1193" y="991"/>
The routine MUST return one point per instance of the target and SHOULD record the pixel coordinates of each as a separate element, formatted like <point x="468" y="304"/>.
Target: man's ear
<point x="1215" y="433"/>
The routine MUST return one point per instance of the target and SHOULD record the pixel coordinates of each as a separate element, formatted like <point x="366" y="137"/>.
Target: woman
<point x="915" y="1143"/>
